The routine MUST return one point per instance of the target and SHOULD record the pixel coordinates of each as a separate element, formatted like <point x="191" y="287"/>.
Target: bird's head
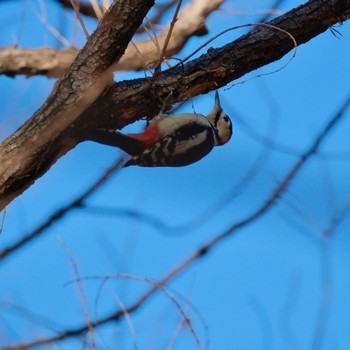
<point x="220" y="122"/>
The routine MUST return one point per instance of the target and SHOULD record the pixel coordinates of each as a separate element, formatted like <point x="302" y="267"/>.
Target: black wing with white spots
<point x="186" y="145"/>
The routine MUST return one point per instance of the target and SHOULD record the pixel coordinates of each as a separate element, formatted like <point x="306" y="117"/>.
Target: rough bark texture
<point x="125" y="102"/>
<point x="33" y="148"/>
<point x="65" y="119"/>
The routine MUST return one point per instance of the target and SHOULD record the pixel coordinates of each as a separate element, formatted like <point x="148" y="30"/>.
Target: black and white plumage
<point x="176" y="140"/>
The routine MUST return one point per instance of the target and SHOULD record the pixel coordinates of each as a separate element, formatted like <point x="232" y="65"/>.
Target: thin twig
<point x="77" y="279"/>
<point x="238" y="27"/>
<point x="61" y="212"/>
<point x="255" y="24"/>
<point x="96" y="8"/>
<point x="153" y="36"/>
<point x="43" y="19"/>
<point x="324" y="310"/>
<point x="273" y="11"/>
<point x="167" y="39"/>
<point x="338" y="219"/>
<point x="175" y="334"/>
<point x="161" y="11"/>
<point x="148" y="219"/>
<point x="325" y="235"/>
<point x="3" y="220"/>
<point x="29" y="316"/>
<point x="85" y="8"/>
<point x="121" y="307"/>
<point x="264" y="320"/>
<point x="157" y="285"/>
<point x="288" y="310"/>
<point x="77" y="13"/>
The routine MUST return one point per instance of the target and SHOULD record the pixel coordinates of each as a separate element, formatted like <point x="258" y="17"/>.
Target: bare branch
<point x="167" y="39"/>
<point x="126" y="102"/>
<point x="2" y="220"/>
<point x="62" y="212"/>
<point x="140" y="54"/>
<point x="324" y="311"/>
<point x="162" y="9"/>
<point x="57" y="127"/>
<point x="50" y="62"/>
<point x="77" y="13"/>
<point x="81" y="291"/>
<point x="337" y="219"/>
<point x="38" y="144"/>
<point x="274" y="7"/>
<point x="85" y="8"/>
<point x="288" y="310"/>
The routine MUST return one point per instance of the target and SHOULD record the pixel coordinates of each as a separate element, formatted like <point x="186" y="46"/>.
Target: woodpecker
<point x="173" y="141"/>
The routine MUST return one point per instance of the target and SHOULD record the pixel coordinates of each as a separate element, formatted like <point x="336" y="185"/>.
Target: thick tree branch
<point x="138" y="56"/>
<point x="57" y="126"/>
<point x="46" y="61"/>
<point x="127" y="101"/>
<point x="33" y="148"/>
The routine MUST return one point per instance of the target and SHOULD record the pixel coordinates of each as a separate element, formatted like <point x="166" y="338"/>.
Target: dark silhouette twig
<point x="274" y="6"/>
<point x="162" y="9"/>
<point x="61" y="212"/>
<point x="84" y="8"/>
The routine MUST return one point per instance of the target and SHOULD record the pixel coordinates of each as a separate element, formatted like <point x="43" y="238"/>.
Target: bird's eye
<point x="226" y="119"/>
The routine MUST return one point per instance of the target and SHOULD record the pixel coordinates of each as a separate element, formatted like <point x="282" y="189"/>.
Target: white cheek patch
<point x="224" y="131"/>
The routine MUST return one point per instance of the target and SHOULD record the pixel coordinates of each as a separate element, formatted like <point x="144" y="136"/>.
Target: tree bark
<point x="34" y="147"/>
<point x="66" y="117"/>
<point x="128" y="101"/>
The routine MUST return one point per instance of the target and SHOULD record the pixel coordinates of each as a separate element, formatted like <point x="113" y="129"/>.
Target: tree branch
<point x="33" y="148"/>
<point x="64" y="119"/>
<point x="139" y="55"/>
<point x="46" y="61"/>
<point x="60" y="213"/>
<point x="128" y="101"/>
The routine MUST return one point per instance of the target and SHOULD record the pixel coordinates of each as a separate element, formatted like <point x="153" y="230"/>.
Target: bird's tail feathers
<point x="130" y="145"/>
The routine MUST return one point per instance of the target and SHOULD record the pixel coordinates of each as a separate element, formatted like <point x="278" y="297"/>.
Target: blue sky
<point x="261" y="288"/>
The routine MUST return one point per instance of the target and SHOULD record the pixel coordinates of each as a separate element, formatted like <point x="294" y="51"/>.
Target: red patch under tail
<point x="149" y="136"/>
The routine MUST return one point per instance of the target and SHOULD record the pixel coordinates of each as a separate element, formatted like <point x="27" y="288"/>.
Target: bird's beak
<point x="217" y="101"/>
